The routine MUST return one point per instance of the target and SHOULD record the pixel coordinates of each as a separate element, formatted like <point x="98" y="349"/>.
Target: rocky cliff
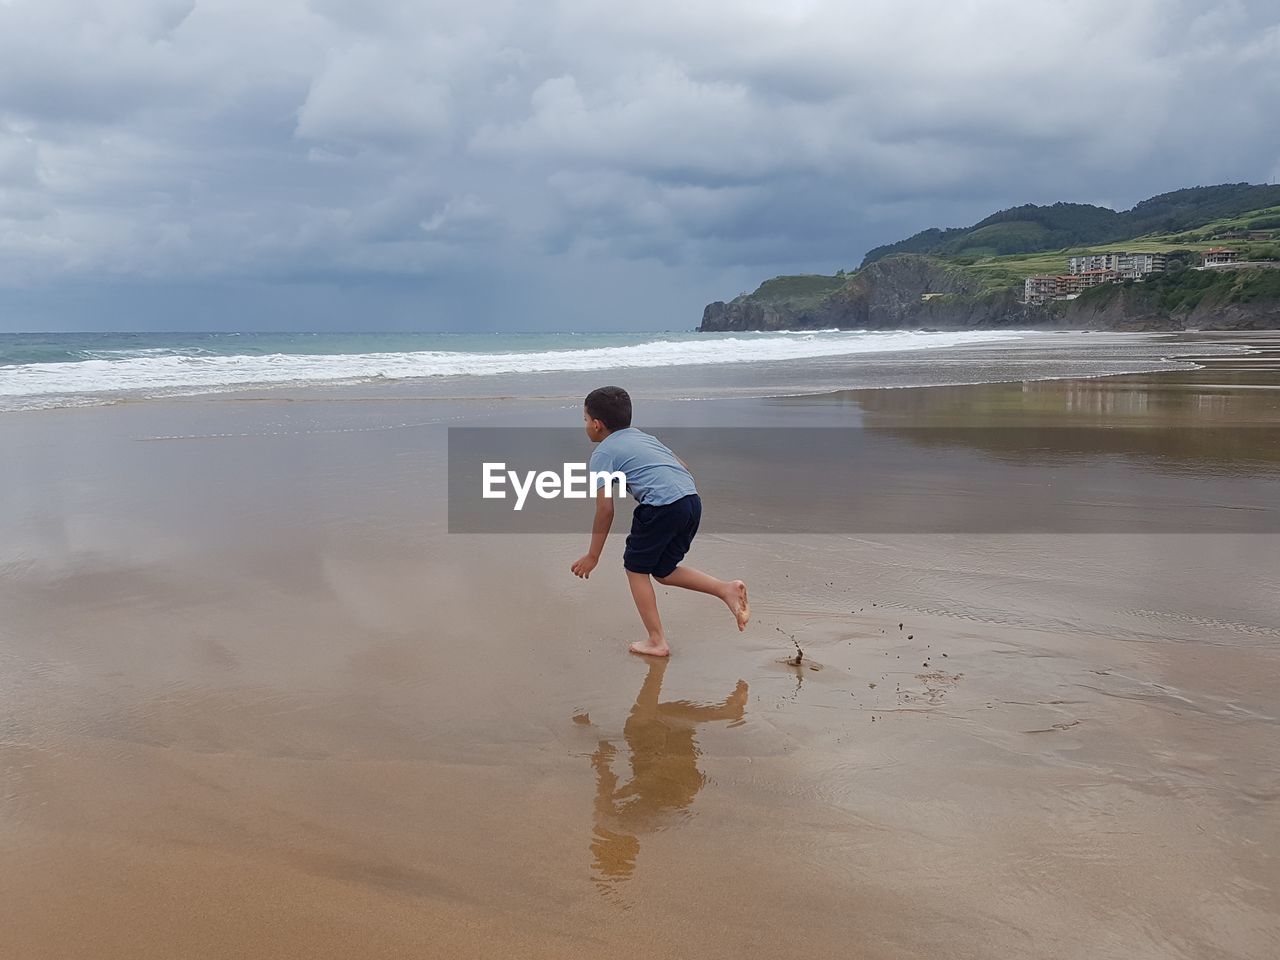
<point x="920" y="292"/>
<point x="1133" y="308"/>
<point x="896" y="292"/>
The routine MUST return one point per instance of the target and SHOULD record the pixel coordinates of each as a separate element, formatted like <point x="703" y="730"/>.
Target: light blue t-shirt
<point x="654" y="475"/>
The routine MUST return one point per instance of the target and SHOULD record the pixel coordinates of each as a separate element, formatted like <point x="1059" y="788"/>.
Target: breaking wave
<point x="167" y="372"/>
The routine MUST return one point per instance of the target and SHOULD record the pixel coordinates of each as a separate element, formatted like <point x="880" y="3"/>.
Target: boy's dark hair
<point x="611" y="406"/>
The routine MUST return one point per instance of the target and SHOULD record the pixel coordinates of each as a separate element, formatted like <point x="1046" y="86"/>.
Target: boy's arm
<point x="583" y="566"/>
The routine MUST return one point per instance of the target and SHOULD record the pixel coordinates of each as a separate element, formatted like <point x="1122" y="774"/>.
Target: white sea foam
<point x="162" y="372"/>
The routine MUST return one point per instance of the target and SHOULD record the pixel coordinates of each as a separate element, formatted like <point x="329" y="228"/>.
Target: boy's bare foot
<point x="650" y="649"/>
<point x="736" y="600"/>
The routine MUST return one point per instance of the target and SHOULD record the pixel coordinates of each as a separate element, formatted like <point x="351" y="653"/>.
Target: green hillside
<point x="1186" y="247"/>
<point x="974" y="276"/>
<point x="994" y="271"/>
<point x="797" y="291"/>
<point x="1031" y="229"/>
<point x="1187" y="289"/>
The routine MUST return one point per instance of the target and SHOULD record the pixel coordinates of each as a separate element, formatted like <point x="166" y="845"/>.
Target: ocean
<point x="75" y="369"/>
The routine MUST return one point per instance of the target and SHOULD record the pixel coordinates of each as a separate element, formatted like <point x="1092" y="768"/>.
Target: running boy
<point x="665" y="520"/>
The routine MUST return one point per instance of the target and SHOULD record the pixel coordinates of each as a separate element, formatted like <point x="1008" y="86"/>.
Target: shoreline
<point x="259" y="701"/>
<point x="830" y="368"/>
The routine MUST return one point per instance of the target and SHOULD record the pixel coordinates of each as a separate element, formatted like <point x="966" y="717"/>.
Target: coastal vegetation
<point x="974" y="275"/>
<point x="1180" y="291"/>
<point x="799" y="290"/>
<point x="1033" y="229"/>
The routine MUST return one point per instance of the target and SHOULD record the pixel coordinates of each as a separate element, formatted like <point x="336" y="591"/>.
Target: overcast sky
<point x="392" y="164"/>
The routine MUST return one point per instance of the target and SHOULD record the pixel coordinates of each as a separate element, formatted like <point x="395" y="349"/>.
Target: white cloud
<point x="192" y="139"/>
<point x="18" y="160"/>
<point x="359" y="99"/>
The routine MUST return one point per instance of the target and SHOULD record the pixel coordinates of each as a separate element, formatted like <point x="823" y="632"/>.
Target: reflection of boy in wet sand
<point x="665" y="520"/>
<point x="664" y="771"/>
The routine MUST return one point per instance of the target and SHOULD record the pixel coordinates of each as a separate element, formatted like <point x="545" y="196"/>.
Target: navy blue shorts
<point x="661" y="536"/>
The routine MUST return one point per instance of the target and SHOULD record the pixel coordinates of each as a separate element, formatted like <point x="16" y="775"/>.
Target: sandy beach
<point x="259" y="702"/>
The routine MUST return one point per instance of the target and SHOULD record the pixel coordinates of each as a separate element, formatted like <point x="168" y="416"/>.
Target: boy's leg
<point x="732" y="592"/>
<point x="691" y="579"/>
<point x="647" y="603"/>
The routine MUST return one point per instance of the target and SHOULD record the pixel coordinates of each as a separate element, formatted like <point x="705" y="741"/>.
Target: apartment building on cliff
<point x="1128" y="266"/>
<point x="1091" y="270"/>
<point x="1220" y="257"/>
<point x="1066" y="286"/>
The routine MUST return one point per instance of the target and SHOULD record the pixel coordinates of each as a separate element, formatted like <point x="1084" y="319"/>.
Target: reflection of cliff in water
<point x="1154" y="420"/>
<point x="664" y="778"/>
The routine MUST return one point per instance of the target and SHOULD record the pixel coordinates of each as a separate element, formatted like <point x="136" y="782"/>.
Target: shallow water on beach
<point x="257" y="701"/>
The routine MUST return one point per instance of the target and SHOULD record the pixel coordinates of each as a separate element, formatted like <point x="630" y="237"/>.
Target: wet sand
<point x="257" y="702"/>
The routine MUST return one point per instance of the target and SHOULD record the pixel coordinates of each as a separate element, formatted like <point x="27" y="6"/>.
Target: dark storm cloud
<point x="510" y="164"/>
